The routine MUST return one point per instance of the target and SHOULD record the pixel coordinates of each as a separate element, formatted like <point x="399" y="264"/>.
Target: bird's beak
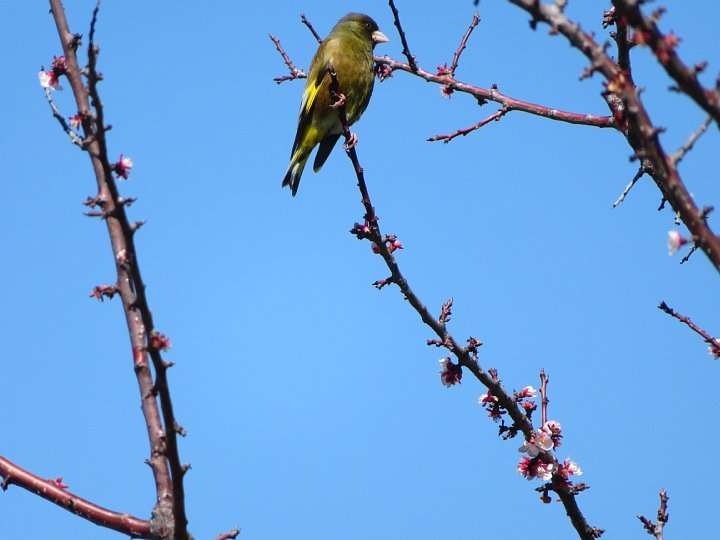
<point x="379" y="37"/>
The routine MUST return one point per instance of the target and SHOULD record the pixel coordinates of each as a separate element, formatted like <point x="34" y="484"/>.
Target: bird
<point x="349" y="48"/>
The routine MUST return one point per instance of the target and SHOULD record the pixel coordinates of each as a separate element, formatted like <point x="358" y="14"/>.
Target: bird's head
<point x="362" y="25"/>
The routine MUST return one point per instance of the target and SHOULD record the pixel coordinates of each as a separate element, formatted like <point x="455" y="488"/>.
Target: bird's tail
<point x="294" y="172"/>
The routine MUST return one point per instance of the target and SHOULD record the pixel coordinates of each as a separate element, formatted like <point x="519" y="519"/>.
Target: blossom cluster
<point x="50" y="79"/>
<point x="534" y="464"/>
<point x="450" y="373"/>
<point x="490" y="403"/>
<point x="521" y="398"/>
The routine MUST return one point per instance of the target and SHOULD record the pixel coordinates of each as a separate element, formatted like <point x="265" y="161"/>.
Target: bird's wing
<point x="312" y="89"/>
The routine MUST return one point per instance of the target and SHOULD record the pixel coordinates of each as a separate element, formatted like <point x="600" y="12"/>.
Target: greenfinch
<point x="349" y="48"/>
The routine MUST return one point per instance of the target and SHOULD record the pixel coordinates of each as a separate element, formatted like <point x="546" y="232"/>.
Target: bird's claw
<point x="339" y="102"/>
<point x="351" y="142"/>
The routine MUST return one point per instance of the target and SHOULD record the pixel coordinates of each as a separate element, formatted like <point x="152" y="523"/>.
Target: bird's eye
<point x="368" y="25"/>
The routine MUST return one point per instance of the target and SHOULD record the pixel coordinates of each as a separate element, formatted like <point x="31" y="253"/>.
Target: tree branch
<point x="663" y="46"/>
<point x="713" y="343"/>
<point x="406" y="49"/>
<point x="465" y="131"/>
<point x="467" y="356"/>
<point x="483" y="95"/>
<point x="169" y="517"/>
<point x="656" y="529"/>
<point x="56" y="493"/>
<point x="463" y="43"/>
<point x="625" y="103"/>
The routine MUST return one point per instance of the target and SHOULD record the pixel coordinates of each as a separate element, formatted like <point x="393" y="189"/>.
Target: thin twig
<point x="54" y="492"/>
<point x="686" y="320"/>
<point x="228" y="535"/>
<point x="692" y="250"/>
<point x="641" y="171"/>
<point x="464" y="131"/>
<point x="685" y="148"/>
<point x="310" y="27"/>
<point x="463" y="43"/>
<point x="656" y="529"/>
<point x="295" y="73"/>
<point x="544" y="380"/>
<point x="74" y="137"/>
<point x="403" y="39"/>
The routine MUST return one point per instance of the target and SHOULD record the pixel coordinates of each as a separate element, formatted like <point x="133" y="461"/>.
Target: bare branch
<point x="641" y="171"/>
<point x="406" y="49"/>
<point x="625" y="103"/>
<point x="664" y="47"/>
<point x="463" y="43"/>
<point x="55" y="492"/>
<point x="544" y="380"/>
<point x="310" y="27"/>
<point x="228" y="535"/>
<point x="464" y="131"/>
<point x="713" y="343"/>
<point x="483" y="95"/>
<point x="76" y="140"/>
<point x="169" y="512"/>
<point x="295" y="73"/>
<point x="656" y="529"/>
<point x="685" y="148"/>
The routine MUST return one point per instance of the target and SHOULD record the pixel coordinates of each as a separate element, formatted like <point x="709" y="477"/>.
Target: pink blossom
<point x="544" y="471"/>
<point x="451" y="373"/>
<point x="539" y="442"/>
<point x="75" y="121"/>
<point x="553" y="429"/>
<point x="529" y="406"/>
<point x="523" y="467"/>
<point x="49" y="80"/>
<point x="714" y="348"/>
<point x="675" y="242"/>
<point x="487" y="398"/>
<point x="527" y="392"/>
<point x="58" y="483"/>
<point x="123" y="166"/>
<point x="569" y="468"/>
<point x="535" y="468"/>
<point x="159" y="341"/>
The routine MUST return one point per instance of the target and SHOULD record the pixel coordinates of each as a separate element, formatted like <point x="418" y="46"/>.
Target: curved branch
<point x="54" y="492"/>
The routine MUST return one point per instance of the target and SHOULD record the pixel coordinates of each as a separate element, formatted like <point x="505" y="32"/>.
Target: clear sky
<point x="313" y="407"/>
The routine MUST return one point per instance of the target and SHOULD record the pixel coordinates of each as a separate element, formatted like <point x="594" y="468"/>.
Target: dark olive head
<point x="362" y="25"/>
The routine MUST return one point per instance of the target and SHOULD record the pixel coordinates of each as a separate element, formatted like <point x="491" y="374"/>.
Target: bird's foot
<point x="339" y="102"/>
<point x="351" y="142"/>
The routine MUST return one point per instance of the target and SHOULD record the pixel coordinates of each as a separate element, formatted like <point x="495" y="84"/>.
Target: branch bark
<point x="169" y="518"/>
<point x="53" y="492"/>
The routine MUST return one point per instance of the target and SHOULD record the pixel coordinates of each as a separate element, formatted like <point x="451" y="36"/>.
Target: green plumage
<point x="349" y="48"/>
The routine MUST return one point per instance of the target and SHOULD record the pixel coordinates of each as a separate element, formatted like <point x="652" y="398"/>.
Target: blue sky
<point x="313" y="407"/>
